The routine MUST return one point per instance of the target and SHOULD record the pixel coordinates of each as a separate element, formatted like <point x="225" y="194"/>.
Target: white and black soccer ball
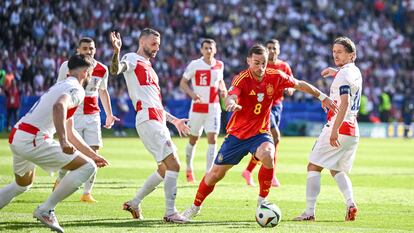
<point x="268" y="215"/>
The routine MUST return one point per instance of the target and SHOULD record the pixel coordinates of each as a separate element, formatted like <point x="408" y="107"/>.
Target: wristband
<point x="322" y="96"/>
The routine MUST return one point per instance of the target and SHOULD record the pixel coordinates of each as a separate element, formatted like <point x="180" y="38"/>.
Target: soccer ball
<point x="268" y="215"/>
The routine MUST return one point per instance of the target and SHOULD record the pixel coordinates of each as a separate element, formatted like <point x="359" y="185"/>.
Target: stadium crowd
<point x="37" y="36"/>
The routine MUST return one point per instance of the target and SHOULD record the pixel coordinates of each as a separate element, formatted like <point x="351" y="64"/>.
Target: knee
<point x="276" y="139"/>
<point x="90" y="167"/>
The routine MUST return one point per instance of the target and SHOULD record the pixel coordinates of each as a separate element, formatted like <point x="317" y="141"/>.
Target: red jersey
<point x="256" y="99"/>
<point x="282" y="66"/>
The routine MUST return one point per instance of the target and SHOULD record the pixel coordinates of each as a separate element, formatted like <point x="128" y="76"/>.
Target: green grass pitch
<point x="383" y="179"/>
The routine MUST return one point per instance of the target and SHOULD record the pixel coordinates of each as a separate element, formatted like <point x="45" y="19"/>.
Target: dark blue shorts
<point x="233" y="149"/>
<point x="276" y="115"/>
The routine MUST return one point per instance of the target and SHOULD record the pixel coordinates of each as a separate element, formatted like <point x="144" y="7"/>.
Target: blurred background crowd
<point x="37" y="36"/>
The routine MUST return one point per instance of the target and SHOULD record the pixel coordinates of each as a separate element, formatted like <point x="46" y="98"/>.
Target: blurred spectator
<point x="37" y="36"/>
<point x="363" y="114"/>
<point x="123" y="108"/>
<point x="408" y="110"/>
<point x="12" y="104"/>
<point x="385" y="107"/>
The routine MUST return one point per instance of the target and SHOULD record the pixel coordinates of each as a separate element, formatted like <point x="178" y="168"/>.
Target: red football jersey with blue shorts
<point x="249" y="127"/>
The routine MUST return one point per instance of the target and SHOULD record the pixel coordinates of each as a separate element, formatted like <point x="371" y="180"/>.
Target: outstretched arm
<point x="183" y="129"/>
<point x="116" y="66"/>
<point x="310" y="89"/>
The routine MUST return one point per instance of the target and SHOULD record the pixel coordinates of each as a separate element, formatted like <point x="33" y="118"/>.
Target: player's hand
<point x="182" y="127"/>
<point x="197" y="98"/>
<point x="328" y="103"/>
<point x="116" y="41"/>
<point x="233" y="107"/>
<point x="110" y="120"/>
<point x="100" y="161"/>
<point x="67" y="148"/>
<point x="333" y="140"/>
<point x="329" y="72"/>
<point x="290" y="91"/>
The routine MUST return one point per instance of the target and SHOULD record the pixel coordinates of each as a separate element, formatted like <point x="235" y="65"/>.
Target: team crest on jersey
<point x="220" y="158"/>
<point x="260" y="97"/>
<point x="269" y="89"/>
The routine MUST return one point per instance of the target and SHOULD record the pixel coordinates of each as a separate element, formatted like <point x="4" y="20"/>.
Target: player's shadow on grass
<point x="19" y="225"/>
<point x="128" y="223"/>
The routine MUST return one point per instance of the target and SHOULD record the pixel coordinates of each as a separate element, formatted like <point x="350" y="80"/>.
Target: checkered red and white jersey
<point x="98" y="80"/>
<point x="41" y="113"/>
<point x="143" y="88"/>
<point x="205" y="80"/>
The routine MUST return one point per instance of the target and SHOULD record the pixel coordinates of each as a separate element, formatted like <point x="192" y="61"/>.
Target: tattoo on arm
<point x="116" y="66"/>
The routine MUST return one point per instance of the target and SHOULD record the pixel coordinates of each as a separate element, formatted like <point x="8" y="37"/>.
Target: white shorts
<point x="210" y="122"/>
<point x="157" y="139"/>
<point x="45" y="153"/>
<point x="89" y="128"/>
<point x="334" y="158"/>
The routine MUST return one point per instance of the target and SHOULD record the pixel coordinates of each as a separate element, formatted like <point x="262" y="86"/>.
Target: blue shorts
<point x="233" y="149"/>
<point x="276" y="115"/>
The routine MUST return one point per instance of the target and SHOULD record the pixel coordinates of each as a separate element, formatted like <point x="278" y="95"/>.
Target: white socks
<point x="170" y="190"/>
<point x="210" y="156"/>
<point x="150" y="184"/>
<point x="313" y="187"/>
<point x="345" y="186"/>
<point x="10" y="191"/>
<point x="69" y="184"/>
<point x="189" y="156"/>
<point x="89" y="184"/>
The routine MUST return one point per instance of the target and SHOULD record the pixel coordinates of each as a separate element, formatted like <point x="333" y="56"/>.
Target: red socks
<point x="203" y="191"/>
<point x="265" y="180"/>
<point x="252" y="164"/>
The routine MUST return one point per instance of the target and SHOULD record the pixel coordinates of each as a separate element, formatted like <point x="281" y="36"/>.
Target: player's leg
<point x="263" y="149"/>
<point x="212" y="128"/>
<point x="274" y="129"/>
<point x="348" y="146"/>
<point x="93" y="137"/>
<point x="20" y="185"/>
<point x="195" y="123"/>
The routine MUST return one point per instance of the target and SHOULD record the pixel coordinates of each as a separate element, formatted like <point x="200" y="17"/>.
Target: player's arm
<point x="80" y="144"/>
<point x="343" y="107"/>
<point x="59" y="120"/>
<point x="185" y="87"/>
<point x="222" y="89"/>
<point x="231" y="103"/>
<point x="315" y="92"/>
<point x="180" y="124"/>
<point x="116" y="66"/>
<point x="329" y="72"/>
<point x="106" y="103"/>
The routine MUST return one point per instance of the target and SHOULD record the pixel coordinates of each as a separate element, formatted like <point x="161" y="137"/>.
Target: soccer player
<point x="251" y="97"/>
<point x="336" y="146"/>
<point x="206" y="75"/>
<point x="32" y="143"/>
<point x="274" y="62"/>
<point x="144" y="91"/>
<point x="87" y="118"/>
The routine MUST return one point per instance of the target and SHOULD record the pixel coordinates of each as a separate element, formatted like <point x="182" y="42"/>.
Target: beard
<point x="149" y="53"/>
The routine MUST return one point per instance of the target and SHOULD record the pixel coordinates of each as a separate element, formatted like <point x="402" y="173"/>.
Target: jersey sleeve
<point x="288" y="70"/>
<point x="76" y="96"/>
<point x="286" y="81"/>
<point x="104" y="83"/>
<point x="236" y="86"/>
<point x="63" y="71"/>
<point x="129" y="61"/>
<point x="189" y="71"/>
<point x="343" y="83"/>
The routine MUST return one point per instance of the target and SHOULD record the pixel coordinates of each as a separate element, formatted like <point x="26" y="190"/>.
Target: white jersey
<point x="41" y="114"/>
<point x="205" y="80"/>
<point x="98" y="80"/>
<point x="143" y="88"/>
<point x="348" y="80"/>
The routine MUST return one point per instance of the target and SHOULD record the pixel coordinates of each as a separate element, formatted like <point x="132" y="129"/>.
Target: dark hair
<point x="272" y="41"/>
<point x="80" y="61"/>
<point x="257" y="49"/>
<point x="208" y="41"/>
<point x="149" y="31"/>
<point x="85" y="40"/>
<point x="347" y="43"/>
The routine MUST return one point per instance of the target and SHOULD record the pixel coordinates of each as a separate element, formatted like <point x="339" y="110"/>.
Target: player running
<point x="251" y="97"/>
